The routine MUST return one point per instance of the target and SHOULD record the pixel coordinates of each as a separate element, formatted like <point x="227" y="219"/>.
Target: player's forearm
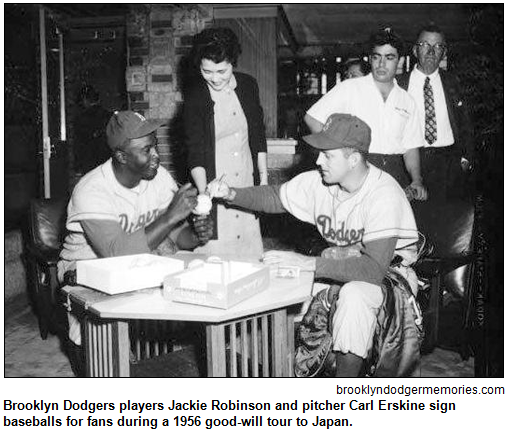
<point x="413" y="165"/>
<point x="265" y="199"/>
<point x="371" y="266"/>
<point x="361" y="268"/>
<point x="160" y="229"/>
<point x="107" y="239"/>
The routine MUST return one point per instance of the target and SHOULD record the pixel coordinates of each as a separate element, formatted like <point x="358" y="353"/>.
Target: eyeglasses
<point x="426" y="46"/>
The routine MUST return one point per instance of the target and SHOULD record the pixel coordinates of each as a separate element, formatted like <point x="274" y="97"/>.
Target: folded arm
<point x="371" y="266"/>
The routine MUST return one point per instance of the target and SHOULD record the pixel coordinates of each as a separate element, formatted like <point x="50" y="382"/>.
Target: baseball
<point x="203" y="206"/>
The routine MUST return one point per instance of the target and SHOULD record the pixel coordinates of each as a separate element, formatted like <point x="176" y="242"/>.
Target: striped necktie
<point x="430" y="122"/>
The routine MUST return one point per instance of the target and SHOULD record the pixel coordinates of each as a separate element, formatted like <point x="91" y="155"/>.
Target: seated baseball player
<point x="128" y="205"/>
<point x="364" y="216"/>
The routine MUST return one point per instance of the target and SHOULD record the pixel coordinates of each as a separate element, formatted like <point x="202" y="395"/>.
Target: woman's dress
<point x="239" y="231"/>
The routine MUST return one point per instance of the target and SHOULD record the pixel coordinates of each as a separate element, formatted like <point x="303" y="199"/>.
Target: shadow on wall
<point x="21" y="174"/>
<point x="185" y="75"/>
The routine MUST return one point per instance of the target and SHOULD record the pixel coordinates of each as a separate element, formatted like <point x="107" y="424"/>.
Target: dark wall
<point x="21" y="114"/>
<point x="96" y="59"/>
<point x="94" y="55"/>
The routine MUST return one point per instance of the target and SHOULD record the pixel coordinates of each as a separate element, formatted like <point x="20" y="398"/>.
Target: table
<point x="259" y="331"/>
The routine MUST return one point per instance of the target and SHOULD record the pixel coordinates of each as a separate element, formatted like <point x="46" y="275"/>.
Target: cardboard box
<point x="220" y="285"/>
<point x="126" y="273"/>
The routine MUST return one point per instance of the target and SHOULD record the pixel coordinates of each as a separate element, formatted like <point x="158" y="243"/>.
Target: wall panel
<point x="258" y="39"/>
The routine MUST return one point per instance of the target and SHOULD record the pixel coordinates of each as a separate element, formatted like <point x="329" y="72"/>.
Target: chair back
<point x="450" y="229"/>
<point x="47" y="223"/>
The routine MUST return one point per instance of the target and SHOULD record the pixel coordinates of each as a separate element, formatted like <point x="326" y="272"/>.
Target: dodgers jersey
<point x="99" y="196"/>
<point x="379" y="209"/>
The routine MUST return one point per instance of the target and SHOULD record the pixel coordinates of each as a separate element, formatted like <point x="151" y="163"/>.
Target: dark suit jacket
<point x="457" y="110"/>
<point x="199" y="125"/>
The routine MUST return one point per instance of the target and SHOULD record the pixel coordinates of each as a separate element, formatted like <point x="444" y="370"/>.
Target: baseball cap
<point x="125" y="125"/>
<point x="341" y="130"/>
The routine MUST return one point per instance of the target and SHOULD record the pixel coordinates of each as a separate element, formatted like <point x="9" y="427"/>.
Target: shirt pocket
<point x="399" y="122"/>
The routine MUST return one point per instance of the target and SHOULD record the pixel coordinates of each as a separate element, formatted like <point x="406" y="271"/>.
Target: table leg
<point x="433" y="313"/>
<point x="280" y="338"/>
<point x="106" y="348"/>
<point x="215" y="349"/>
<point x="280" y="344"/>
<point x="290" y="342"/>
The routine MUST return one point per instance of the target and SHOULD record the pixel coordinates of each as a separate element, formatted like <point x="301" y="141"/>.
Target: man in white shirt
<point x="445" y="122"/>
<point x="388" y="110"/>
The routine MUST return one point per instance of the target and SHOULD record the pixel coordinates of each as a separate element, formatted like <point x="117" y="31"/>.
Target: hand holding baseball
<point x="218" y="188"/>
<point x="183" y="202"/>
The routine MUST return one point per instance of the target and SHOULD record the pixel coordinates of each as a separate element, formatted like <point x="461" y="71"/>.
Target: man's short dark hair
<point x="430" y="28"/>
<point x="387" y="37"/>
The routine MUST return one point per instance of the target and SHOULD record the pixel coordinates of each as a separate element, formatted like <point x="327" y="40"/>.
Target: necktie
<point x="430" y="123"/>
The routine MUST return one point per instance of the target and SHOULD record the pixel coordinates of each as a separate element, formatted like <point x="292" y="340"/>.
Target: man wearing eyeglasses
<point x="443" y="114"/>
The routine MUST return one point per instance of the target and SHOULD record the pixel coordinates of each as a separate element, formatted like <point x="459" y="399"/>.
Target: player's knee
<point x="350" y="293"/>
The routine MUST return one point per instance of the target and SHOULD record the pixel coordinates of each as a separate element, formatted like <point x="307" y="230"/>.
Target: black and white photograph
<point x="265" y="190"/>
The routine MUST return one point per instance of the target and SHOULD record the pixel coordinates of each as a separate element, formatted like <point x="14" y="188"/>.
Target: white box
<point x="126" y="273"/>
<point x="291" y="142"/>
<point x="281" y="145"/>
<point x="274" y="149"/>
<point x="217" y="284"/>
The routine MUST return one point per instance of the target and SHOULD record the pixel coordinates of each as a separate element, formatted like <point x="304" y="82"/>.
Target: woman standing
<point x="225" y="136"/>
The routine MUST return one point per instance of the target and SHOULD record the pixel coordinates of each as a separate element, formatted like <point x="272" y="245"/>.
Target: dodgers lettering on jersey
<point x="339" y="235"/>
<point x="379" y="209"/>
<point x="142" y="220"/>
<point x="100" y="197"/>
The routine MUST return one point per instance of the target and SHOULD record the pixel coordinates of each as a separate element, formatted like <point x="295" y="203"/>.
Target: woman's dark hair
<point x="217" y="44"/>
<point x="387" y="37"/>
